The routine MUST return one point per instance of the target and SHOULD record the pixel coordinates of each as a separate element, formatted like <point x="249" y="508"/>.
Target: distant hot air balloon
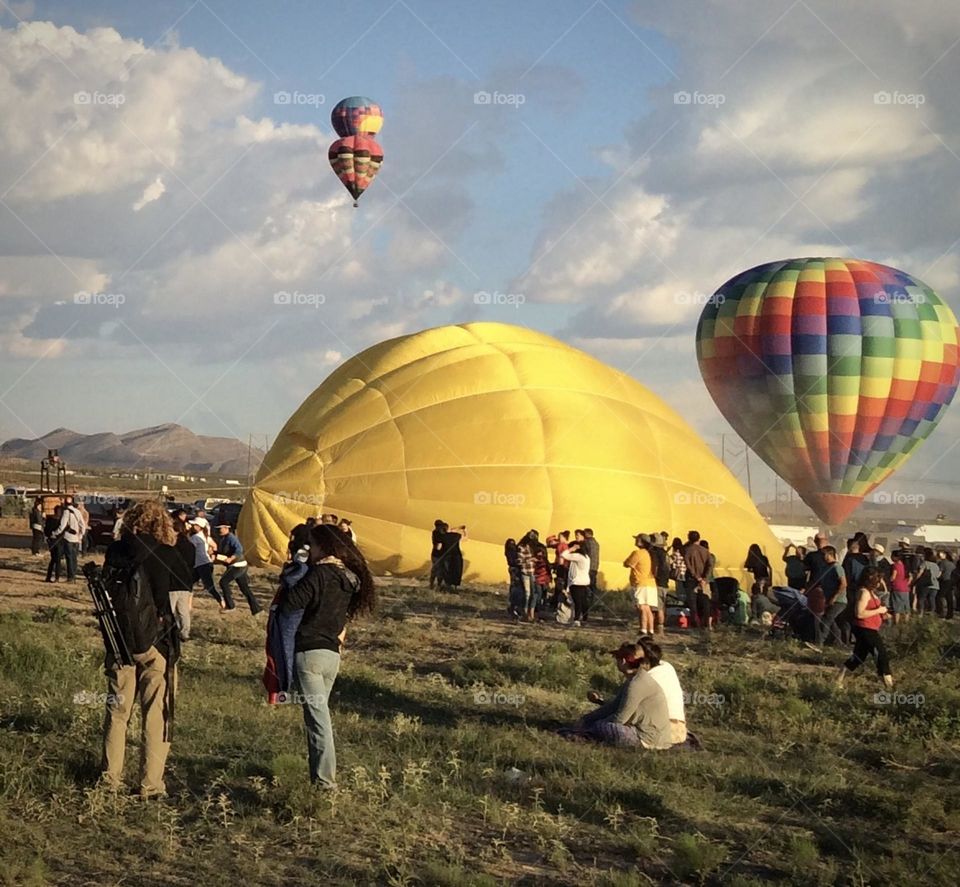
<point x="832" y="370"/>
<point x="355" y="160"/>
<point x="356" y="115"/>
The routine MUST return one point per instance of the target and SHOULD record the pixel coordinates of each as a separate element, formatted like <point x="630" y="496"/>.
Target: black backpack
<point x="129" y="589"/>
<point x="661" y="566"/>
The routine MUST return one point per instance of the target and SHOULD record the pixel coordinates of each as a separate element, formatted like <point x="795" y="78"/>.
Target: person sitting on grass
<point x="760" y="604"/>
<point x="666" y="678"/>
<point x="868" y="618"/>
<point x="638" y="716"/>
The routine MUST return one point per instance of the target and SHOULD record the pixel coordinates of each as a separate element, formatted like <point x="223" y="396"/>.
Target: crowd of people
<point x="326" y="583"/>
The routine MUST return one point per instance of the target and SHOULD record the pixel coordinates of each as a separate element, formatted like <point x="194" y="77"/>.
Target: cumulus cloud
<point x="791" y="129"/>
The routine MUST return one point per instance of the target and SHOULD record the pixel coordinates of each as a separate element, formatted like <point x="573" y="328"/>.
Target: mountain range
<point x="167" y="447"/>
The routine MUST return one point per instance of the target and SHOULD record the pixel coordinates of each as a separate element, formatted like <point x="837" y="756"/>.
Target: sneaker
<point x="813" y="647"/>
<point x="576" y="623"/>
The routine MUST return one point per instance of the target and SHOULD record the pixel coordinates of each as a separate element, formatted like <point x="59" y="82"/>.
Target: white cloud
<point x="153" y="191"/>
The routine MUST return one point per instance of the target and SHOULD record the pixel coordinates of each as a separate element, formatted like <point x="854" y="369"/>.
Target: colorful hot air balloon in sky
<point x="355" y="160"/>
<point x="356" y="115"/>
<point x="832" y="370"/>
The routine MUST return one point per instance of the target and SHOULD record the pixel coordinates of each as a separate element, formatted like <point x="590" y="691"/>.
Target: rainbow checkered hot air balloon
<point x="355" y="116"/>
<point x="832" y="370"/>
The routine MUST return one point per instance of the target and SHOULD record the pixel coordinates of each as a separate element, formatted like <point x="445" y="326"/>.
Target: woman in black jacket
<point x="337" y="588"/>
<point x="181" y="579"/>
<point x="758" y="564"/>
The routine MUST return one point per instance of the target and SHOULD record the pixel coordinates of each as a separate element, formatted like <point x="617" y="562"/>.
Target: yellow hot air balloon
<point x="503" y="429"/>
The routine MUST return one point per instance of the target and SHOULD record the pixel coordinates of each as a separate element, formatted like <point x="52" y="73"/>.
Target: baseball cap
<point x="628" y="652"/>
<point x="642" y="537"/>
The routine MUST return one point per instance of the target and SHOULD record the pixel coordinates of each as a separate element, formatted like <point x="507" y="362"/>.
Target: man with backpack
<point x="137" y="575"/>
<point x="661" y="573"/>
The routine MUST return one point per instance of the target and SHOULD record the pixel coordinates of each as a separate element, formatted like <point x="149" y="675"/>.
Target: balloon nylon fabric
<point x="833" y="370"/>
<point x="503" y="429"/>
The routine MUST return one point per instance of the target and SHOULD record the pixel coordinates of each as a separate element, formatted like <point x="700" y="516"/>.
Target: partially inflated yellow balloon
<point x="503" y="429"/>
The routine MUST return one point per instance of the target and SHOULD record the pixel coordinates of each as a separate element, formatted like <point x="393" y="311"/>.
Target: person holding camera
<point x="137" y="572"/>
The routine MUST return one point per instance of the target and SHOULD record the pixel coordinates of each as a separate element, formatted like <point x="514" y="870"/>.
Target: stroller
<point x="795" y="618"/>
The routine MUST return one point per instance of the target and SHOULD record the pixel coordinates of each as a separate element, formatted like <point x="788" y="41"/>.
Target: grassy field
<point x="449" y="773"/>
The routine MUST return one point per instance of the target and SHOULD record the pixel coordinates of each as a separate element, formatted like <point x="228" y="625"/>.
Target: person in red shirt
<point x="868" y="618"/>
<point x="899" y="589"/>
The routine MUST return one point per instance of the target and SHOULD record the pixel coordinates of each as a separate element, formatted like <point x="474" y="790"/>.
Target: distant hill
<point x="168" y="447"/>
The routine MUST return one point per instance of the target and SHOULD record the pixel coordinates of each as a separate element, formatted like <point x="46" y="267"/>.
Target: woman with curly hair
<point x="142" y="560"/>
<point x="337" y="588"/>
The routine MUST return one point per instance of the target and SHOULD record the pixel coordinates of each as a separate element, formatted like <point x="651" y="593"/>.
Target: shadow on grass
<point x="371" y="700"/>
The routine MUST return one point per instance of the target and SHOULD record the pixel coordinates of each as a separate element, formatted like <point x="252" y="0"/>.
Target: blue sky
<point x="609" y="206"/>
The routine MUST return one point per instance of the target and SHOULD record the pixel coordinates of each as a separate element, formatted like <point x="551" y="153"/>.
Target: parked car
<point x="102" y="518"/>
<point x="188" y="507"/>
<point x="226" y="513"/>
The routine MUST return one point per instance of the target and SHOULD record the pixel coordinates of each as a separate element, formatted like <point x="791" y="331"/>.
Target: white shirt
<point x="202" y="557"/>
<point x="72" y="526"/>
<point x="579" y="567"/>
<point x="666" y="677"/>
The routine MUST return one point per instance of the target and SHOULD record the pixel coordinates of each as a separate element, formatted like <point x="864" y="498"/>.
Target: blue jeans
<point x="316" y="672"/>
<point x="827" y="624"/>
<point x="531" y="591"/>
<point x="926" y="598"/>
<point x="71" y="551"/>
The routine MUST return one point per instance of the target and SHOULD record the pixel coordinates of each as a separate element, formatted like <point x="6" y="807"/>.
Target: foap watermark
<point x="701" y="299"/>
<point x="88" y="697"/>
<point x="698" y="497"/>
<point x="513" y="300"/>
<point x="298" y="299"/>
<point x="710" y="99"/>
<point x="111" y="300"/>
<point x="910" y="99"/>
<point x="495" y="497"/>
<point x="698" y="697"/>
<point x="497" y="697"/>
<point x="295" y="697"/>
<point x="895" y="697"/>
<point x="309" y="99"/>
<point x="297" y="498"/>
<point x="898" y="497"/>
<point x="105" y="499"/>
<point x="110" y="99"/>
<point x="899" y="297"/>
<point x="516" y="99"/>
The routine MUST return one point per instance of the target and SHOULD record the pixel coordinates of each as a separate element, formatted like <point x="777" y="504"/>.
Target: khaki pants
<point x="124" y="683"/>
